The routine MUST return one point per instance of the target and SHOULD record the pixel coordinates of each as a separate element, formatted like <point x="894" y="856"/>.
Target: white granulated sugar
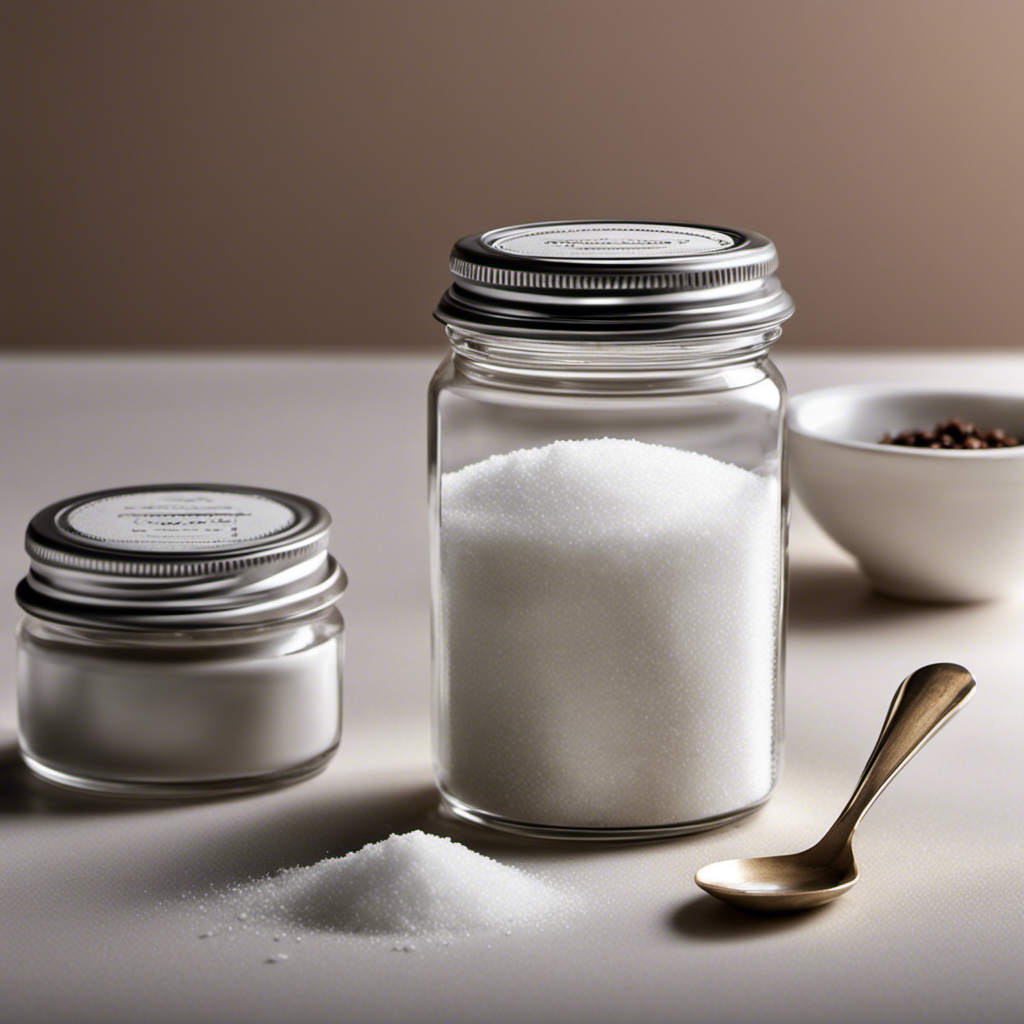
<point x="412" y="884"/>
<point x="608" y="634"/>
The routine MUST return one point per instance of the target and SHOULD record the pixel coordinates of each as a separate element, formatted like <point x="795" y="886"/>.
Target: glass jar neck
<point x="556" y="361"/>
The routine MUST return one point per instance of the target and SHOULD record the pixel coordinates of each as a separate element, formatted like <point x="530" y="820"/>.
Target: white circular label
<point x="178" y="520"/>
<point x="592" y="241"/>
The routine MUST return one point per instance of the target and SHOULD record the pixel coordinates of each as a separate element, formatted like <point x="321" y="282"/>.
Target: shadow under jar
<point x="609" y="529"/>
<point x="180" y="640"/>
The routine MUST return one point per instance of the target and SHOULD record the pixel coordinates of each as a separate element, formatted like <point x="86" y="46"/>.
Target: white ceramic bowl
<point x="924" y="524"/>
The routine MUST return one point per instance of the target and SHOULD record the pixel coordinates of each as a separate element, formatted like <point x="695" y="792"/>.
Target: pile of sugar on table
<point x="408" y="886"/>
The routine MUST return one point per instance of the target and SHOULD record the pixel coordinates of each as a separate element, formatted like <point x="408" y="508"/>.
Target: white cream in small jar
<point x="180" y="640"/>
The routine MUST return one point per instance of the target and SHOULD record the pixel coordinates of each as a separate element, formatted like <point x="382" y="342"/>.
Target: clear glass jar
<point x="180" y="641"/>
<point x="609" y="528"/>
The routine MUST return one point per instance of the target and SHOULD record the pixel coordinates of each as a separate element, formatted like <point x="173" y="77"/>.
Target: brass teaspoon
<point x="925" y="701"/>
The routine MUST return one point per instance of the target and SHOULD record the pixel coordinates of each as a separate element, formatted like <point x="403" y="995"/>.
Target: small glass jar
<point x="180" y="640"/>
<point x="609" y="529"/>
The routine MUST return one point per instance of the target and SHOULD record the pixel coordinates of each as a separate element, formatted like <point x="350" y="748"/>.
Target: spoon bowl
<point x="924" y="702"/>
<point x="794" y="881"/>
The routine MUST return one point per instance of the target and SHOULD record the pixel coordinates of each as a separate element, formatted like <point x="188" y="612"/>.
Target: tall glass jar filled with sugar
<point x="609" y="529"/>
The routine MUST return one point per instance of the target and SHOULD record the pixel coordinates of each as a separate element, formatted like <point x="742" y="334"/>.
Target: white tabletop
<point x="98" y="901"/>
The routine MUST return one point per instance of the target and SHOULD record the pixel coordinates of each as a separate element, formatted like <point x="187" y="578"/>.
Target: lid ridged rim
<point x="168" y="570"/>
<point x="721" y="277"/>
<point x="278" y="606"/>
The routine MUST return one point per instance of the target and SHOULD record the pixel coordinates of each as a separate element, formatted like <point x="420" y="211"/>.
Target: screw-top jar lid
<point x="627" y="279"/>
<point x="179" y="556"/>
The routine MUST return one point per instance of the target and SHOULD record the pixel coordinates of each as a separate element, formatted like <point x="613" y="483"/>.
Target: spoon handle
<point x="925" y="701"/>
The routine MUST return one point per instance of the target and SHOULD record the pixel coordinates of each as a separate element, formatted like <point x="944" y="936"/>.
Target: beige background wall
<point x="272" y="175"/>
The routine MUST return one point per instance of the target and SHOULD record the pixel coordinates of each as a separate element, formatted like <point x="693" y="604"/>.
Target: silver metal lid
<point x="179" y="556"/>
<point x="631" y="280"/>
